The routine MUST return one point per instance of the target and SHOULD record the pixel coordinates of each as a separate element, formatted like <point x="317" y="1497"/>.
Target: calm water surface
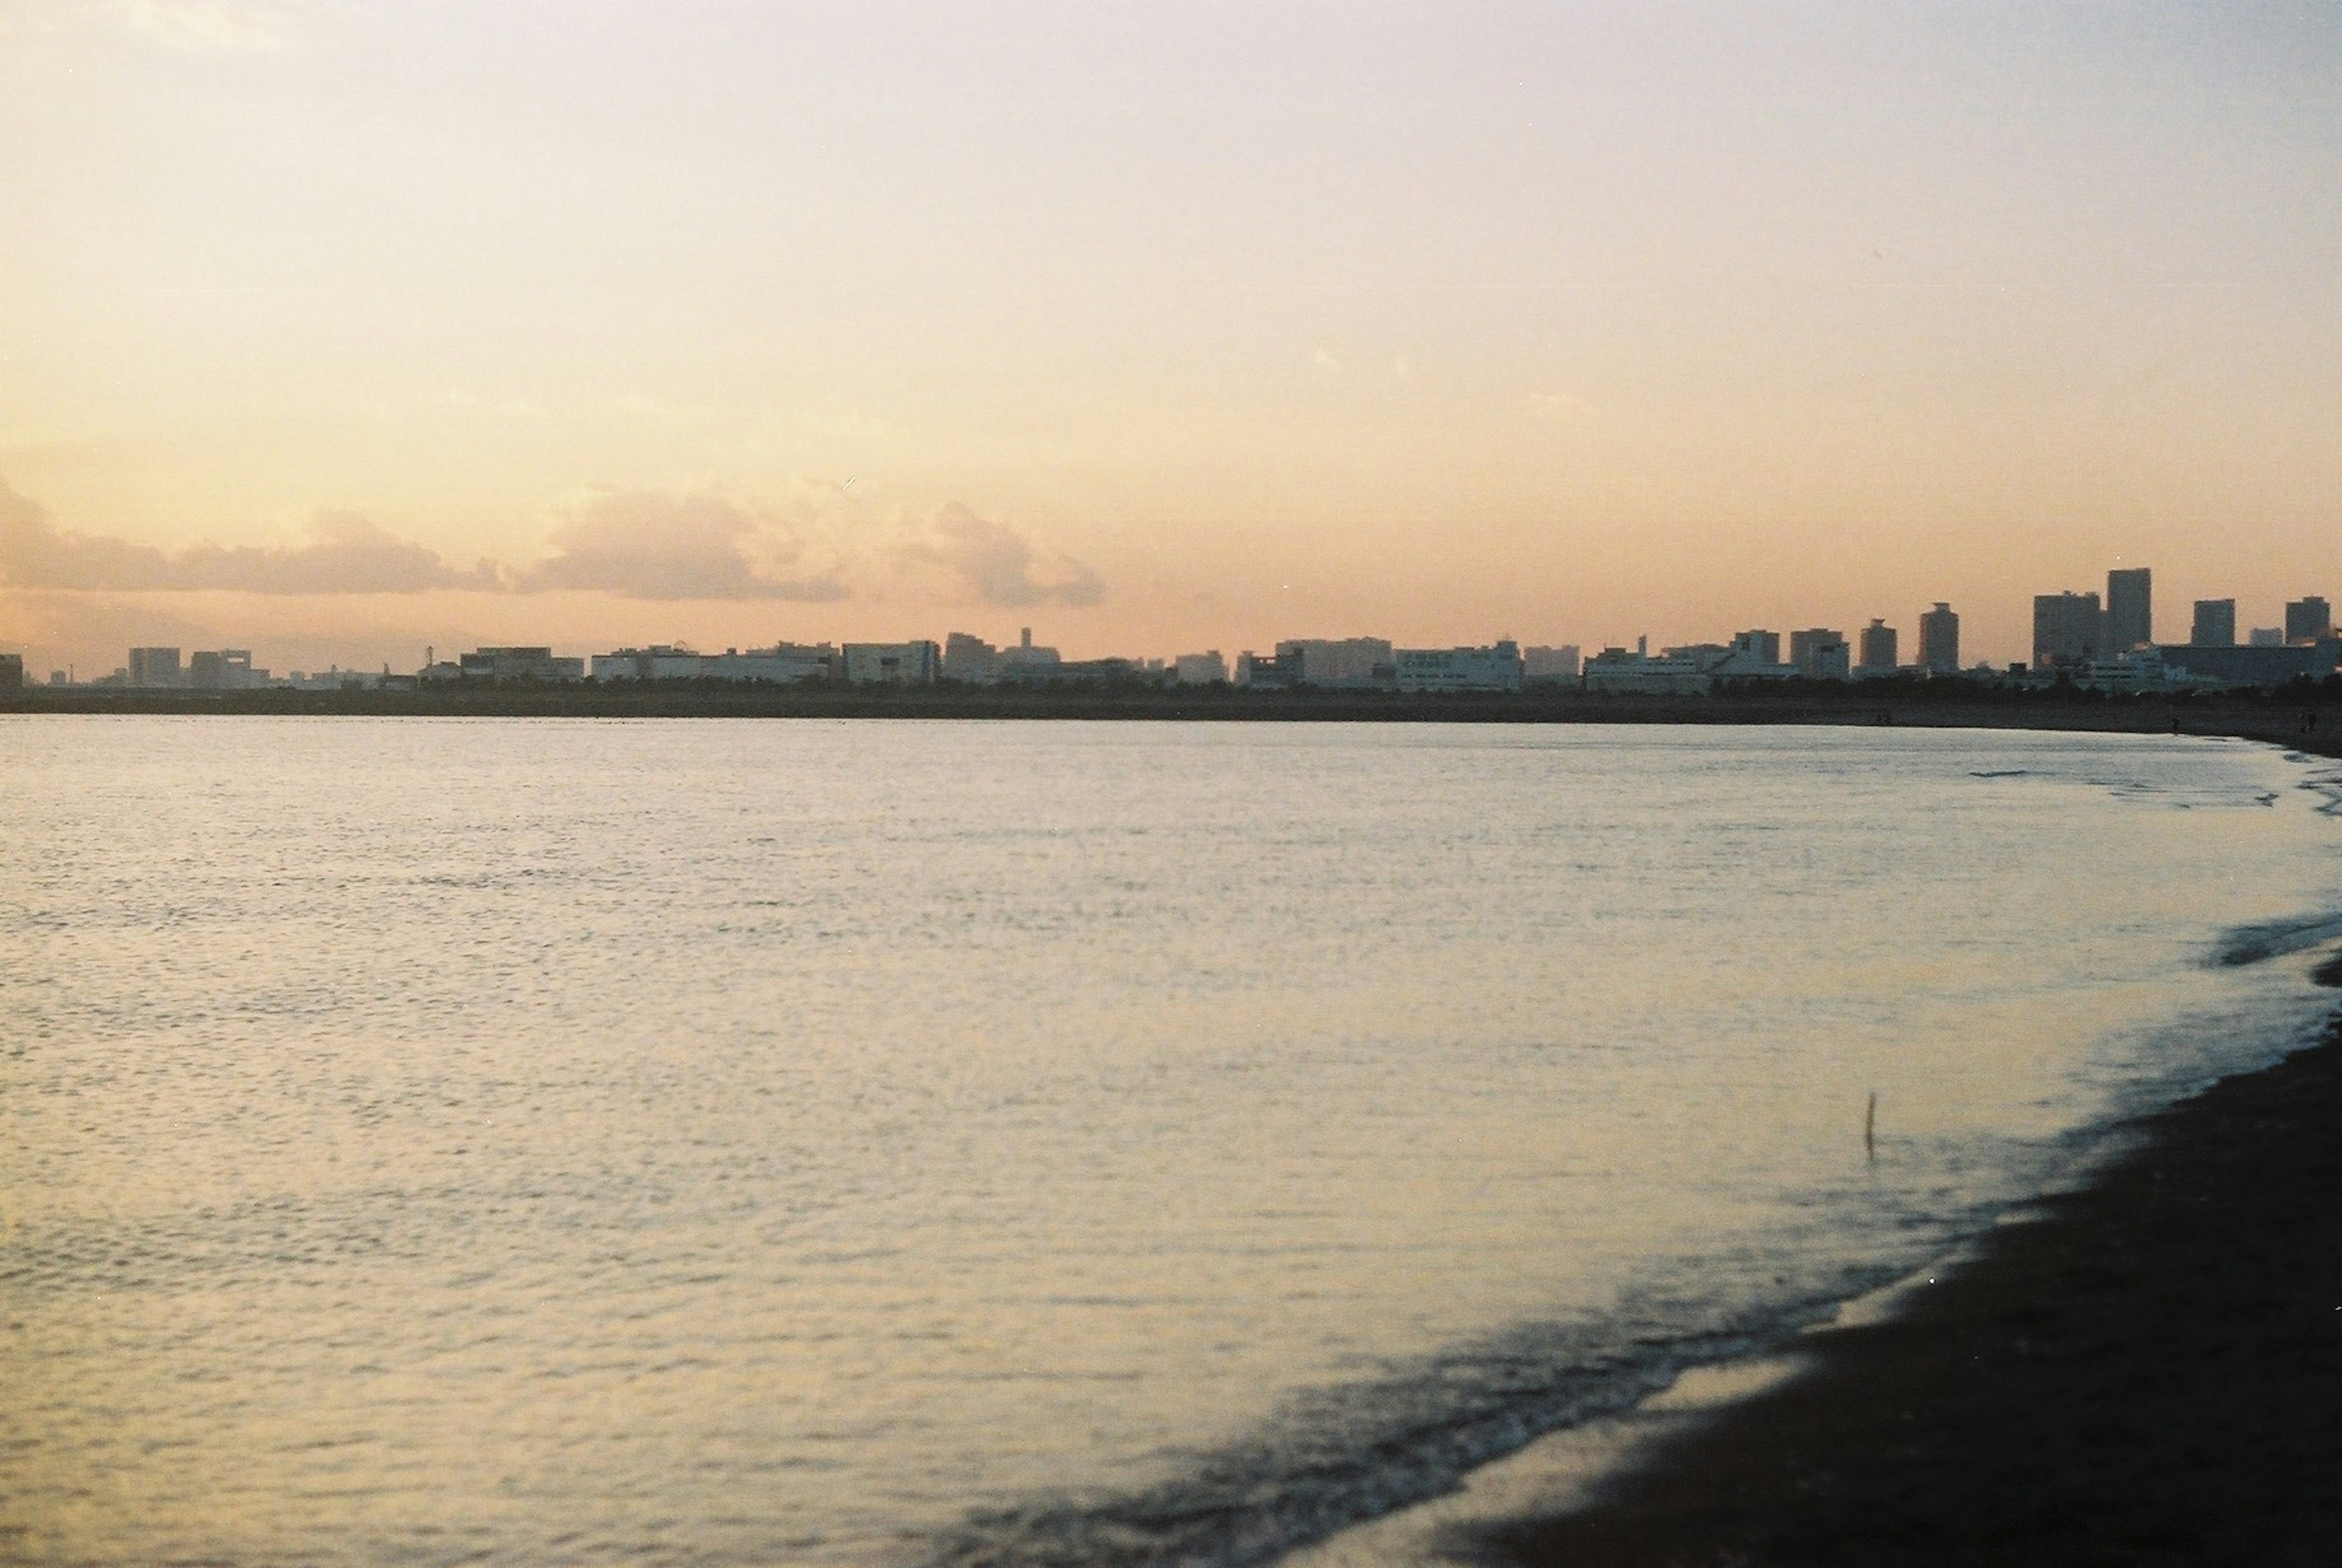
<point x="905" y="1143"/>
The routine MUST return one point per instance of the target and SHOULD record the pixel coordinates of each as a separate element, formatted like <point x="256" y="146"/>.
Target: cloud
<point x="345" y="554"/>
<point x="654" y="545"/>
<point x="994" y="565"/>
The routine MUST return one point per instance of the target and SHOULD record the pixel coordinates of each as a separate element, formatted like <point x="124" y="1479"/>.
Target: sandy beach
<point x="2147" y="1372"/>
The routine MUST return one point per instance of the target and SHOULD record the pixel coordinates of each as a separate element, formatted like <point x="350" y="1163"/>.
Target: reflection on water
<point x="856" y="1142"/>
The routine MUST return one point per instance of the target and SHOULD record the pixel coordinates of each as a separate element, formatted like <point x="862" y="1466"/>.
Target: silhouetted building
<point x="2130" y="610"/>
<point x="1495" y="668"/>
<point x="518" y="664"/>
<point x="156" y="667"/>
<point x="2262" y="665"/>
<point x="1820" y="653"/>
<point x="1633" y="670"/>
<point x="1763" y="647"/>
<point x="970" y="659"/>
<point x="913" y="663"/>
<point x="1025" y="655"/>
<point x="1878" y="649"/>
<point x="1200" y="669"/>
<point x="1550" y="666"/>
<point x="1267" y="672"/>
<point x="2267" y="637"/>
<point x="1351" y="662"/>
<point x="2216" y="624"/>
<point x="1939" y="640"/>
<point x="12" y="672"/>
<point x="224" y="670"/>
<point x="2308" y="619"/>
<point x="2066" y="629"/>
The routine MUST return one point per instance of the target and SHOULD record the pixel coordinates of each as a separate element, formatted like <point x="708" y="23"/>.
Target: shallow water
<point x="875" y="1143"/>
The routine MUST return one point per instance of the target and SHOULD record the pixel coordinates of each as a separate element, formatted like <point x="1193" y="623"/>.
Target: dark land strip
<point x="2149" y="1372"/>
<point x="2305" y="715"/>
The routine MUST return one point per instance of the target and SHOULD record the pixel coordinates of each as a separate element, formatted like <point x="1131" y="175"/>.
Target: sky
<point x="335" y="329"/>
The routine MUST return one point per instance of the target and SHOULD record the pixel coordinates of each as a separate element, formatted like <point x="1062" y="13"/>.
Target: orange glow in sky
<point x="332" y="329"/>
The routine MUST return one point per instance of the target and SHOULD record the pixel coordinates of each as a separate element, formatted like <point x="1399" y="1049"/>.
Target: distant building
<point x="1550" y="666"/>
<point x="1067" y="672"/>
<point x="1820" y="655"/>
<point x="225" y="670"/>
<point x="970" y="659"/>
<point x="1200" y="669"/>
<point x="1763" y="647"/>
<point x="12" y="672"/>
<point x="1939" y="640"/>
<point x="1878" y="649"/>
<point x="1025" y="655"/>
<point x="1625" y="669"/>
<point x="1267" y="672"/>
<point x="156" y="667"/>
<point x="1495" y="668"/>
<point x="1349" y="663"/>
<point x="2267" y="637"/>
<point x="2262" y="665"/>
<point x="2067" y="629"/>
<point x="2306" y="620"/>
<point x="2130" y="611"/>
<point x="518" y="664"/>
<point x="2216" y="624"/>
<point x="913" y="663"/>
<point x="659" y="662"/>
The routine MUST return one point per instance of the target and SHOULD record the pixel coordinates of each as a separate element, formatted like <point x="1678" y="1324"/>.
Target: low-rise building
<point x="223" y="670"/>
<point x="659" y="662"/>
<point x="1633" y="670"/>
<point x="518" y="664"/>
<point x="912" y="664"/>
<point x="1202" y="669"/>
<point x="1267" y="672"/>
<point x="2260" y="664"/>
<point x="1344" y="663"/>
<point x="1495" y="668"/>
<point x="970" y="659"/>
<point x="1551" y="666"/>
<point x="12" y="672"/>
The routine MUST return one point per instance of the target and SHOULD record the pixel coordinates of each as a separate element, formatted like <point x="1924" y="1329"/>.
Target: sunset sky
<point x="333" y="328"/>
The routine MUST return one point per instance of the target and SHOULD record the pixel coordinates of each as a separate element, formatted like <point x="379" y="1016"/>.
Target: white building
<point x="913" y="663"/>
<point x="1633" y="670"/>
<point x="781" y="663"/>
<point x="1495" y="668"/>
<point x="659" y="662"/>
<point x="519" y="665"/>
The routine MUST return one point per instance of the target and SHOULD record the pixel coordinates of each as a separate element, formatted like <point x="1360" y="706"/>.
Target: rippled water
<point x="870" y="1142"/>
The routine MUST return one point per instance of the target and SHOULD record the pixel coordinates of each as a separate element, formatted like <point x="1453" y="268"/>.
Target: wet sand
<point x="2149" y="1372"/>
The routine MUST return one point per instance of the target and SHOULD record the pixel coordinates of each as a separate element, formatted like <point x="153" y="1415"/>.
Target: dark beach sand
<point x="2149" y="1374"/>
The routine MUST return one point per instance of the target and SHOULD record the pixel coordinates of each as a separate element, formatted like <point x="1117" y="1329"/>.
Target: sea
<point x="914" y="1145"/>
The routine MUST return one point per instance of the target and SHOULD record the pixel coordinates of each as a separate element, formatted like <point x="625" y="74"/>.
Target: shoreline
<point x="2141" y="1370"/>
<point x="2303" y="719"/>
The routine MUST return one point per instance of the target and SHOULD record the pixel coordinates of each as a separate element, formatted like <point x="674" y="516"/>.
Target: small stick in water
<point x="1870" y="1129"/>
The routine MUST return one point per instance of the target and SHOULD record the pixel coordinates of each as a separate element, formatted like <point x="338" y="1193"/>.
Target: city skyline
<point x="335" y="332"/>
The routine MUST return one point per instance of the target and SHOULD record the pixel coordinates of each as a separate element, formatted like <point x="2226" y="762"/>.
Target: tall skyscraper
<point x="2130" y="610"/>
<point x="2306" y="620"/>
<point x="1939" y="640"/>
<point x="1878" y="648"/>
<point x="2216" y="623"/>
<point x="2066" y="629"/>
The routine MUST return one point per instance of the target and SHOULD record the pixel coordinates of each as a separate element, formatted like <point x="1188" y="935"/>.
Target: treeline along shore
<point x="2305" y="713"/>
